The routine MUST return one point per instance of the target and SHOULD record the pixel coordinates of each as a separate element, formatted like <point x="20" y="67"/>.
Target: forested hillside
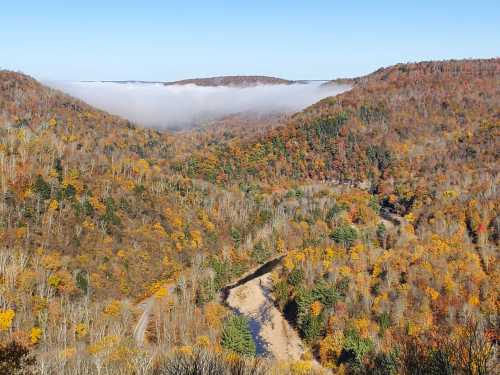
<point x="383" y="202"/>
<point x="238" y="81"/>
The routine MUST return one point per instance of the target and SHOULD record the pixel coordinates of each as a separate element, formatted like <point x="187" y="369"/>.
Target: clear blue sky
<point x="167" y="39"/>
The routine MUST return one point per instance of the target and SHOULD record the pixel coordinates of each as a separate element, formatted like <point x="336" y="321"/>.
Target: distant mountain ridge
<point x="240" y="81"/>
<point x="235" y="81"/>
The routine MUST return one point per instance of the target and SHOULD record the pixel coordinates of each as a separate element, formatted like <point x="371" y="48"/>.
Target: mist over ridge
<point x="183" y="106"/>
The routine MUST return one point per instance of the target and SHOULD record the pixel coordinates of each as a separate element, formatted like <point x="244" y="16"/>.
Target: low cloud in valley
<point x="175" y="106"/>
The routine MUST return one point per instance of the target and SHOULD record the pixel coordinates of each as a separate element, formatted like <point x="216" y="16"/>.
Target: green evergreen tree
<point x="345" y="235"/>
<point x="236" y="336"/>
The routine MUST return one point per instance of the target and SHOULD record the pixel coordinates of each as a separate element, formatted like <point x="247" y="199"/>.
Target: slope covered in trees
<point x="383" y="201"/>
<point x="423" y="139"/>
<point x="93" y="220"/>
<point x="354" y="135"/>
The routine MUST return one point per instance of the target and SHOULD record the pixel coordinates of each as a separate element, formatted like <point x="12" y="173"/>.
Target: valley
<point x="357" y="234"/>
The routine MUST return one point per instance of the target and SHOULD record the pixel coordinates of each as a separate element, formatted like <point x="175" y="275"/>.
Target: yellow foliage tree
<point x="113" y="308"/>
<point x="35" y="335"/>
<point x="330" y="348"/>
<point x="316" y="308"/>
<point x="301" y="367"/>
<point x="213" y="314"/>
<point x="6" y="318"/>
<point x="81" y="330"/>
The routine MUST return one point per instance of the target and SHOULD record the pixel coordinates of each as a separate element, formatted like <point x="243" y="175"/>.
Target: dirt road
<point x="253" y="299"/>
<point x="142" y="324"/>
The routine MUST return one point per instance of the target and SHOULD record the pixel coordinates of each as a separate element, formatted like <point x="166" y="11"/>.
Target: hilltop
<point x="237" y="81"/>
<point x="332" y="139"/>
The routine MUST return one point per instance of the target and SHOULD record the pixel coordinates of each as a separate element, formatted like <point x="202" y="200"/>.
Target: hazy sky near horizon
<point x="170" y="40"/>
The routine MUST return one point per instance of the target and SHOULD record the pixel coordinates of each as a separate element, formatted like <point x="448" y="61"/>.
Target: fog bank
<point x="159" y="106"/>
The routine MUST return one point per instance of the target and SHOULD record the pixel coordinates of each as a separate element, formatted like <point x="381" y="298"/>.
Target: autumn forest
<point x="365" y="229"/>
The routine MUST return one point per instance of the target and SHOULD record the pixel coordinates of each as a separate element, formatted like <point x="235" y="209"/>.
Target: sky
<point x="170" y="40"/>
